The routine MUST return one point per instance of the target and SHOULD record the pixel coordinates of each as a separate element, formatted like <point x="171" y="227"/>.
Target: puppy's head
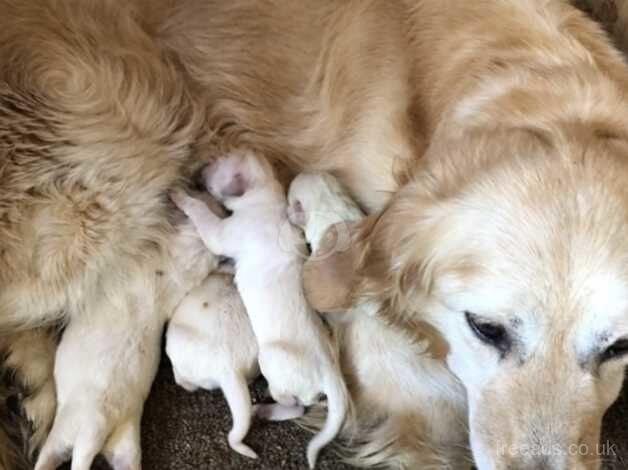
<point x="517" y="254"/>
<point x="234" y="175"/>
<point x="315" y="202"/>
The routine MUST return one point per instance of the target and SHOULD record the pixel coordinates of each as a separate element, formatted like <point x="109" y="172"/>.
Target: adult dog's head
<point x="514" y="247"/>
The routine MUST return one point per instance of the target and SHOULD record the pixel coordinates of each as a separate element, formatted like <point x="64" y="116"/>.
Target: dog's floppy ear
<point x="330" y="275"/>
<point x="390" y="260"/>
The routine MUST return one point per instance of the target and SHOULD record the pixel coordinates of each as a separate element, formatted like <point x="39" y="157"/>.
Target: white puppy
<point x="382" y="361"/>
<point x="211" y="345"/>
<point x="316" y="201"/>
<point x="296" y="355"/>
<point x="105" y="364"/>
<point x="103" y="372"/>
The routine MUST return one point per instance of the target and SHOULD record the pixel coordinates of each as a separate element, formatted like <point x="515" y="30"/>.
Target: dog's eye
<point x="616" y="350"/>
<point x="490" y="333"/>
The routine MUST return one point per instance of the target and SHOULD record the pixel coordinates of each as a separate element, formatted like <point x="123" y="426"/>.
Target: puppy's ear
<point x="330" y="274"/>
<point x="296" y="214"/>
<point x="236" y="187"/>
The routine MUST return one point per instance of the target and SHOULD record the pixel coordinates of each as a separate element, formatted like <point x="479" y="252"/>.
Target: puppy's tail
<point x="238" y="397"/>
<point x="337" y="408"/>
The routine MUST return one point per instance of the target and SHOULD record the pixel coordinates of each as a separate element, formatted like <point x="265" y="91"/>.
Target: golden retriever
<point x="488" y="137"/>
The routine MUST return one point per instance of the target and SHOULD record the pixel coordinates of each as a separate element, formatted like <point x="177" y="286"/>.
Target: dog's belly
<point x="85" y="163"/>
<point x="303" y="85"/>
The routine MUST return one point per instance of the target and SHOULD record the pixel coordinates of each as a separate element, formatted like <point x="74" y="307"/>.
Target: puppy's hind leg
<point x="58" y="445"/>
<point x="51" y="458"/>
<point x="236" y="392"/>
<point x="89" y="442"/>
<point x="123" y="449"/>
<point x="208" y="224"/>
<point x="286" y="408"/>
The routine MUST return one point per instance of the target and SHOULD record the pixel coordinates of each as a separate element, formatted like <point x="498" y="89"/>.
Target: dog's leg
<point x="31" y="355"/>
<point x="236" y="391"/>
<point x="123" y="450"/>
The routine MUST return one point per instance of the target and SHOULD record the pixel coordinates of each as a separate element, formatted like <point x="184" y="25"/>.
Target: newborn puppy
<point x="211" y="345"/>
<point x="316" y="201"/>
<point x="295" y="352"/>
<point x="105" y="363"/>
<point x="103" y="371"/>
<point x="381" y="360"/>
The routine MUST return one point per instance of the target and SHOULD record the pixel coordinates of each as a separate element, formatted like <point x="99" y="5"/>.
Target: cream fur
<point x="103" y="371"/>
<point x="452" y="115"/>
<point x="211" y="345"/>
<point x="105" y="365"/>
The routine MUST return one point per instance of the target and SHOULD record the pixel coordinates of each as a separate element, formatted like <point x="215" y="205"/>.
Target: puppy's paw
<point x="278" y="412"/>
<point x="123" y="450"/>
<point x="180" y="198"/>
<point x="242" y="448"/>
<point x="121" y="462"/>
<point x="193" y="208"/>
<point x="187" y="386"/>
<point x="54" y="452"/>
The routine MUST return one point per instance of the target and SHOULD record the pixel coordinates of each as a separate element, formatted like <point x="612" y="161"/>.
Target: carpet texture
<point x="184" y="431"/>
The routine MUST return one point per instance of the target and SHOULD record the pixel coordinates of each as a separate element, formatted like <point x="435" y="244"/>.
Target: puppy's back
<point x="317" y="201"/>
<point x="211" y="324"/>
